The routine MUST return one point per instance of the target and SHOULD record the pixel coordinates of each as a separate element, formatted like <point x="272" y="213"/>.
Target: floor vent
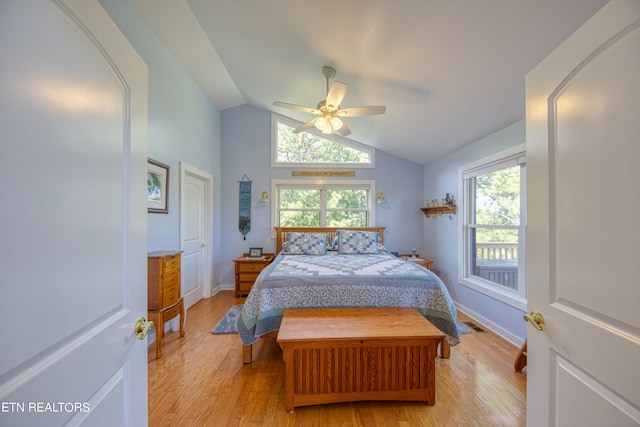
<point x="474" y="326"/>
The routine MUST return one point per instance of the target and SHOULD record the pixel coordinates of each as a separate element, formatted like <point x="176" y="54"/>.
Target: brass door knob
<point x="142" y="327"/>
<point x="536" y="319"/>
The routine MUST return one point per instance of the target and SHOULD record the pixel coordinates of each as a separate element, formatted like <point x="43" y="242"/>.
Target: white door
<point x="583" y="149"/>
<point x="195" y="223"/>
<point x="73" y="126"/>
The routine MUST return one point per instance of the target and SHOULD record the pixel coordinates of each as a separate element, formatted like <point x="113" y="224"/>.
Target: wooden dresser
<point x="164" y="296"/>
<point x="247" y="270"/>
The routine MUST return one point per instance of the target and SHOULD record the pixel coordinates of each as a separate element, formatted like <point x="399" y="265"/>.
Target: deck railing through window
<point x="496" y="251"/>
<point x="498" y="263"/>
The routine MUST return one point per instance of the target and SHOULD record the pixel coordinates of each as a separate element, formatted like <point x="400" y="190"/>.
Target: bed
<point x="359" y="272"/>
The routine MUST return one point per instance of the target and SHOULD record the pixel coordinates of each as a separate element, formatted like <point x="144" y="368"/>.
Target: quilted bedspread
<point x="336" y="280"/>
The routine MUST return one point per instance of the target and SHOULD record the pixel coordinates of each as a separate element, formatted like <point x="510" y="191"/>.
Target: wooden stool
<point x="521" y="359"/>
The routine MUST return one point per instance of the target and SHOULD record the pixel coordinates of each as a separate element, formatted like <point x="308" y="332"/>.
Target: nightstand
<point x="247" y="270"/>
<point x="426" y="263"/>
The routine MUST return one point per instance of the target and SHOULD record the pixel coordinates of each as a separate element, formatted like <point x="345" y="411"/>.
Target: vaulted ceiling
<point x="449" y="71"/>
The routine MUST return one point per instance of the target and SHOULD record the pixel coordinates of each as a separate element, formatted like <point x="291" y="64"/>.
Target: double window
<point x="493" y="226"/>
<point x="336" y="203"/>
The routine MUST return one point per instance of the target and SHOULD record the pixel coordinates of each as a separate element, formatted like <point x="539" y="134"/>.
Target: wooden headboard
<point x="282" y="236"/>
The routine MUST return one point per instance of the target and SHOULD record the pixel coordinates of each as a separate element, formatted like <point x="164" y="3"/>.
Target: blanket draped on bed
<point x="337" y="280"/>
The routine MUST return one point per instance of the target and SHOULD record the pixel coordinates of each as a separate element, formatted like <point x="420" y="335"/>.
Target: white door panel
<point x="195" y="223"/>
<point x="73" y="164"/>
<point x="193" y="238"/>
<point x="583" y="231"/>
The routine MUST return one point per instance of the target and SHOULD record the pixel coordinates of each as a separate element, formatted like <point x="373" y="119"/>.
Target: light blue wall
<point x="441" y="234"/>
<point x="246" y="145"/>
<point x="184" y="125"/>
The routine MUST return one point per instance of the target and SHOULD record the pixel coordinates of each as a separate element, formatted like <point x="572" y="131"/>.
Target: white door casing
<point x="582" y="125"/>
<point x="73" y="114"/>
<point x="195" y="236"/>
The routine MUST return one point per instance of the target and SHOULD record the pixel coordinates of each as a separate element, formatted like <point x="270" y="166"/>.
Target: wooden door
<point x="583" y="148"/>
<point x="73" y="120"/>
<point x="195" y="224"/>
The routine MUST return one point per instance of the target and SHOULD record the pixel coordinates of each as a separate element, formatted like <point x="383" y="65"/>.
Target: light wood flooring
<point x="201" y="381"/>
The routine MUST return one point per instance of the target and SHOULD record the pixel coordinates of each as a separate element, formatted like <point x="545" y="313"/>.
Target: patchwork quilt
<point x="340" y="280"/>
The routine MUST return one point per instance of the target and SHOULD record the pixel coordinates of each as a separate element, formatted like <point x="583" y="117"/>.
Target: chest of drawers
<point x="163" y="292"/>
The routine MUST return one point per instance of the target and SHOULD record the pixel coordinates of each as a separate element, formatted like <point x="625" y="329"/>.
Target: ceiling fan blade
<point x="296" y="107"/>
<point x="305" y="126"/>
<point x="336" y="94"/>
<point x="361" y="111"/>
<point x="344" y="129"/>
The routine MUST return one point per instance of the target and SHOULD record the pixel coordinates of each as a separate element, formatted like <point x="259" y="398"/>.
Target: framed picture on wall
<point x="157" y="187"/>
<point x="255" y="253"/>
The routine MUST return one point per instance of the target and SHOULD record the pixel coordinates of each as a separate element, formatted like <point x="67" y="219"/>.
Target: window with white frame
<point x="493" y="226"/>
<point x="338" y="203"/>
<point x="310" y="148"/>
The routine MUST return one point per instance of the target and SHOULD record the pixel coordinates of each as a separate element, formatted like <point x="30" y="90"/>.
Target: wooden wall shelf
<point x="433" y="211"/>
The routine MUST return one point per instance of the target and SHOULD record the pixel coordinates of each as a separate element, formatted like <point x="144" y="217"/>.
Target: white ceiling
<point x="449" y="71"/>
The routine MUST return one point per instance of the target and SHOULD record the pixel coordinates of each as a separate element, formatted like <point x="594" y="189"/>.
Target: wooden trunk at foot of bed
<point x="247" y="350"/>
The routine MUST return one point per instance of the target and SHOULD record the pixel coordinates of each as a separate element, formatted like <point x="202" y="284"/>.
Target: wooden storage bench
<point x="350" y="354"/>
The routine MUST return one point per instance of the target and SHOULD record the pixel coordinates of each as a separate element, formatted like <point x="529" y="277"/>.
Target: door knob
<point x="142" y="327"/>
<point x="202" y="245"/>
<point x="536" y="319"/>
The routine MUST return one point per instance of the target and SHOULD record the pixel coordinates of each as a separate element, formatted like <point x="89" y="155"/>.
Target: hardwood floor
<point x="201" y="381"/>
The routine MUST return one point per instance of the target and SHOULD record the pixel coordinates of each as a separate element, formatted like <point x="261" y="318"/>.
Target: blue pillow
<point x="306" y="244"/>
<point x="335" y="243"/>
<point x="358" y="242"/>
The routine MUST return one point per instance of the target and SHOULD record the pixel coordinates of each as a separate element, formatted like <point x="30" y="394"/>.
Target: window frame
<point x="369" y="185"/>
<point x="509" y="157"/>
<point x="277" y="118"/>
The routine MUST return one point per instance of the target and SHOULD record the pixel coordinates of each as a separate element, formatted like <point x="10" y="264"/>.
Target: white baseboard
<point x="513" y="339"/>
<point x="219" y="288"/>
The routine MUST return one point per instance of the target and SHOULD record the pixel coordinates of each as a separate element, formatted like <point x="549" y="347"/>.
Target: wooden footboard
<point x="247" y="350"/>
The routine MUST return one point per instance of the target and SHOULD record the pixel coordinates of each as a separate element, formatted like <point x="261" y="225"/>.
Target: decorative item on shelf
<point x="445" y="206"/>
<point x="265" y="197"/>
<point x="381" y="200"/>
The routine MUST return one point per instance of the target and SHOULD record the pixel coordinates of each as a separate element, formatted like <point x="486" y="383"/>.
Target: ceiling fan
<point x="328" y="109"/>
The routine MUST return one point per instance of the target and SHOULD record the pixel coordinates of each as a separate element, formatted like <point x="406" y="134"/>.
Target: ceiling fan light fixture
<point x="329" y="109"/>
<point x="321" y="123"/>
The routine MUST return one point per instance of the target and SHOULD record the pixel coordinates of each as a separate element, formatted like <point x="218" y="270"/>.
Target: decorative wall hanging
<point x="323" y="173"/>
<point x="157" y="187"/>
<point x="244" y="224"/>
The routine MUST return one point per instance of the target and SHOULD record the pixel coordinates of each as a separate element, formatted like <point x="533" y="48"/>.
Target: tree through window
<point x="338" y="203"/>
<point x="311" y="148"/>
<point x="493" y="227"/>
